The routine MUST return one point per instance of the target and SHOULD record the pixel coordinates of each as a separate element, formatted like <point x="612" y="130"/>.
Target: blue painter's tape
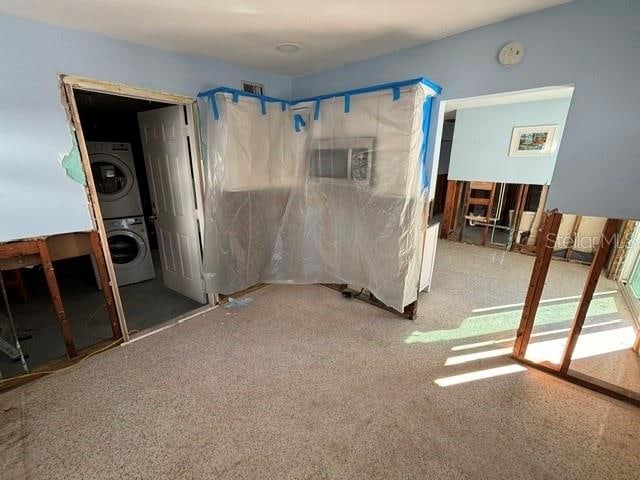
<point x="298" y="122"/>
<point x="357" y="91"/>
<point x="347" y="102"/>
<point x="240" y="93"/>
<point x="396" y="93"/>
<point x="316" y="112"/>
<point x="214" y="107"/>
<point x="263" y="106"/>
<point x="374" y="88"/>
<point x="426" y="120"/>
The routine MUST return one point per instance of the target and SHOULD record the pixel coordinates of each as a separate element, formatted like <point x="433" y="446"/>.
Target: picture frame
<point x="533" y="141"/>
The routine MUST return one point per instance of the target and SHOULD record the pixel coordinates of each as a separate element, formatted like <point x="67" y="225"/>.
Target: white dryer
<point x="130" y="252"/>
<point x="114" y="175"/>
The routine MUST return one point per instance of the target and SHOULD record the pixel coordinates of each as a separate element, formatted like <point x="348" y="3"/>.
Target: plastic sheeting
<point x="328" y="190"/>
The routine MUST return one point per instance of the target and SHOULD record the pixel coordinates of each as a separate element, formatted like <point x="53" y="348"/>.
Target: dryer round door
<point x="113" y="178"/>
<point x="127" y="248"/>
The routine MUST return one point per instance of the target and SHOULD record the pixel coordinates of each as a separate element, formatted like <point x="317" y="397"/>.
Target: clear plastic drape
<point x="319" y="192"/>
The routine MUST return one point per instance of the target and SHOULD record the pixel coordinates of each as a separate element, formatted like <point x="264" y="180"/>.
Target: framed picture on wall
<point x="536" y="141"/>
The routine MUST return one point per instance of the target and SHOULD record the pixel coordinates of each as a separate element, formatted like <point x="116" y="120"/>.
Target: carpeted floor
<point x="302" y="383"/>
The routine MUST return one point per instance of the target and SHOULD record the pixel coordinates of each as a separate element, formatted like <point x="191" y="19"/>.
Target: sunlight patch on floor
<point x="504" y="321"/>
<point x="589" y="345"/>
<point x="479" y="375"/>
<point x="488" y="343"/>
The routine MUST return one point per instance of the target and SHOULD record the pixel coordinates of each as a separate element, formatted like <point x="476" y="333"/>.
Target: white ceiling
<point x="329" y="32"/>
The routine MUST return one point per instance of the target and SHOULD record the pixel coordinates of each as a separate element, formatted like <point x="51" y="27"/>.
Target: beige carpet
<point x="302" y="383"/>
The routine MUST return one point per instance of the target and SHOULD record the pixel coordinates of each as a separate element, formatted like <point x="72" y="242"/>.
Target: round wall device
<point x="511" y="54"/>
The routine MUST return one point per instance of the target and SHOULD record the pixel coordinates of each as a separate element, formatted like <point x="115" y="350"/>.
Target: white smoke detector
<point x="511" y="54"/>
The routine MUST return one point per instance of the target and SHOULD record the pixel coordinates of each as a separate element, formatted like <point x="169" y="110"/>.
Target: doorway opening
<point x="495" y="160"/>
<point x="140" y="158"/>
<point x="140" y="153"/>
<point x="144" y="165"/>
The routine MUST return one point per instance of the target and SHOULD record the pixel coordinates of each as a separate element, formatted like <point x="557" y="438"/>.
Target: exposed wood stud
<point x="18" y="249"/>
<point x="545" y="243"/>
<point x="489" y="212"/>
<point x="611" y="227"/>
<point x="448" y="223"/>
<point x="465" y="206"/>
<point x="54" y="291"/>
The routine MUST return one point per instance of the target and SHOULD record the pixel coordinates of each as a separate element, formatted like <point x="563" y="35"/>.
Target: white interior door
<point x="165" y="142"/>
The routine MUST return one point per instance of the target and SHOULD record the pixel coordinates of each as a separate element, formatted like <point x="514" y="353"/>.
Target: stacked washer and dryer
<point x="114" y="175"/>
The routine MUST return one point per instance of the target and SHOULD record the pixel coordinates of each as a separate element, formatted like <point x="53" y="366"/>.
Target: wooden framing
<point x="39" y="247"/>
<point x="545" y="241"/>
<point x="450" y="208"/>
<point x="458" y="201"/>
<point x="465" y="208"/>
<point x="608" y="236"/>
<point x="544" y="252"/>
<point x="25" y="253"/>
<point x="54" y="291"/>
<point x="60" y="246"/>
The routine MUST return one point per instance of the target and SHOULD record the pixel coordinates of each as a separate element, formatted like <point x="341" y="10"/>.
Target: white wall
<point x="482" y="137"/>
<point x="36" y="196"/>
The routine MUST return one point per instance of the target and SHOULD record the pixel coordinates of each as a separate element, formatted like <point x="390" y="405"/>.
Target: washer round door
<point x="127" y="248"/>
<point x="113" y="178"/>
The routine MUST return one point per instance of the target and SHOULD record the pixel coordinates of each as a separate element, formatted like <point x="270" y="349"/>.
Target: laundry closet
<point x="140" y="158"/>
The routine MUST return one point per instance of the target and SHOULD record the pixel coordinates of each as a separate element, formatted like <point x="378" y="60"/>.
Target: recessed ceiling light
<point x="287" y="47"/>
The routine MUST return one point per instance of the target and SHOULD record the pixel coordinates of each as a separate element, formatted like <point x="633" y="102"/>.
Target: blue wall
<point x="590" y="43"/>
<point x="36" y="196"/>
<point x="593" y="44"/>
<point x="482" y="137"/>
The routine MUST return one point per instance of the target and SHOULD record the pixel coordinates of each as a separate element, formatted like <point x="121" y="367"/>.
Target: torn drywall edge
<point x="72" y="163"/>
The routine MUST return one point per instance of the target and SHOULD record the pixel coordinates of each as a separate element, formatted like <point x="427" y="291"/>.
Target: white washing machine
<point x="130" y="252"/>
<point x="114" y="175"/>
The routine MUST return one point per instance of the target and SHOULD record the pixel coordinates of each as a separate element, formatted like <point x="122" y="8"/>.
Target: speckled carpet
<point x="302" y="383"/>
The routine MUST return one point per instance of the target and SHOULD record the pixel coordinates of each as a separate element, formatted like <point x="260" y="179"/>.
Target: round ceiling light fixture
<point x="287" y="47"/>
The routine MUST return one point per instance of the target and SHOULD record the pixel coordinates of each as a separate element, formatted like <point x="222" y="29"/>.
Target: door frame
<point x="630" y="264"/>
<point x="70" y="83"/>
<point x="488" y="99"/>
